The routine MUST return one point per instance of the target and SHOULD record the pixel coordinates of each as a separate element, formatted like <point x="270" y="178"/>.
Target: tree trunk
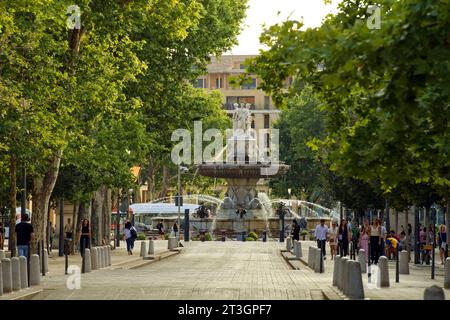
<point x="42" y="190"/>
<point x="74" y="219"/>
<point x="106" y="214"/>
<point x="152" y="168"/>
<point x="427" y="222"/>
<point x="12" y="205"/>
<point x="165" y="183"/>
<point x="97" y="217"/>
<point x="80" y="216"/>
<point x="396" y="221"/>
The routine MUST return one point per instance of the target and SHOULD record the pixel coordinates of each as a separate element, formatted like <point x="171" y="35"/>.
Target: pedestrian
<point x="375" y="241"/>
<point x="130" y="235"/>
<point x="364" y="241"/>
<point x="68" y="230"/>
<point x="422" y="244"/>
<point x="321" y="234"/>
<point x="51" y="233"/>
<point x="344" y="237"/>
<point x="160" y="227"/>
<point x="295" y="230"/>
<point x="85" y="236"/>
<point x="175" y="229"/>
<point x="442" y="241"/>
<point x="409" y="240"/>
<point x="332" y="238"/>
<point x="355" y="236"/>
<point x="2" y="239"/>
<point x="24" y="234"/>
<point x="383" y="238"/>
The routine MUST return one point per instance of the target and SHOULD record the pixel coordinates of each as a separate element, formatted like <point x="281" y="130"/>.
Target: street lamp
<point x="181" y="170"/>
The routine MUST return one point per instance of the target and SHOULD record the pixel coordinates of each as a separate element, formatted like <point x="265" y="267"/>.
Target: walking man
<point x="25" y="233"/>
<point x="321" y="236"/>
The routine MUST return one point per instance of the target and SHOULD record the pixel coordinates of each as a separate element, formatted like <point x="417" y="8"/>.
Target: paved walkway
<point x="410" y="287"/>
<point x="221" y="270"/>
<point x="204" y="270"/>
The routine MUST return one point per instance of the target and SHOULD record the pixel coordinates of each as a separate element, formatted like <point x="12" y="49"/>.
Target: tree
<point x="386" y="90"/>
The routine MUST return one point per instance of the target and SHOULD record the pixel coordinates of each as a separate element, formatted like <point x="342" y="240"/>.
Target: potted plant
<point x="304" y="234"/>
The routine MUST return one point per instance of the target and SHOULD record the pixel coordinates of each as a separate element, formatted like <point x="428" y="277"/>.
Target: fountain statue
<point x="242" y="209"/>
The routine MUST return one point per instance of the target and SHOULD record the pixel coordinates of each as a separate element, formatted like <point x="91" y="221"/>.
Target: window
<point x="242" y="67"/>
<point x="250" y="84"/>
<point x="200" y="83"/>
<point x="266" y="121"/>
<point x="218" y="83"/>
<point x="266" y="102"/>
<point x="232" y="100"/>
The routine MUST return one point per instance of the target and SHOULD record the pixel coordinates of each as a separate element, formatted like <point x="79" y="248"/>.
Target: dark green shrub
<point x="304" y="233"/>
<point x="208" y="237"/>
<point x="249" y="239"/>
<point x="253" y="235"/>
<point x="141" y="236"/>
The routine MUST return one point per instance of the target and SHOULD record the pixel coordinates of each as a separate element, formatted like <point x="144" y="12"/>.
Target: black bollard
<point x="66" y="257"/>
<point x="321" y="258"/>
<point x="43" y="257"/>
<point x="223" y="235"/>
<point x="82" y="255"/>
<point x="397" y="266"/>
<point x="186" y="225"/>
<point x="264" y="236"/>
<point x="28" y="265"/>
<point x="243" y="236"/>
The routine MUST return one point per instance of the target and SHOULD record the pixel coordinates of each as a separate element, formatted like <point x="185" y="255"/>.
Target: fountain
<point x="243" y="209"/>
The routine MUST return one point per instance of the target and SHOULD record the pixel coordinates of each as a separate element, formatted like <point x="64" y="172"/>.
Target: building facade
<point x="224" y="68"/>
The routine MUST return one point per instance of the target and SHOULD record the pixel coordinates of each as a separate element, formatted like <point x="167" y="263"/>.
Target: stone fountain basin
<point x="241" y="170"/>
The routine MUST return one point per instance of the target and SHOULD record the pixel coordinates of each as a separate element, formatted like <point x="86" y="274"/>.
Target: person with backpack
<point x="130" y="235"/>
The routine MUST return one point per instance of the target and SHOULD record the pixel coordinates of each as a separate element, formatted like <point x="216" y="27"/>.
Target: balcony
<point x="230" y="106"/>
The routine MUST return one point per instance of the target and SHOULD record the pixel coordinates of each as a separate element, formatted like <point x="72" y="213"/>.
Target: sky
<point x="266" y="12"/>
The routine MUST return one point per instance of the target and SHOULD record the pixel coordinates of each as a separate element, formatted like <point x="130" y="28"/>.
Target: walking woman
<point x="344" y="236"/>
<point x="375" y="241"/>
<point x="130" y="235"/>
<point x="332" y="238"/>
<point x="442" y="238"/>
<point x="295" y="230"/>
<point x="85" y="236"/>
<point x="364" y="241"/>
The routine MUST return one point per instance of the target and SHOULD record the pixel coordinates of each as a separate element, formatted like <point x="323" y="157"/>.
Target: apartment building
<point x="220" y="71"/>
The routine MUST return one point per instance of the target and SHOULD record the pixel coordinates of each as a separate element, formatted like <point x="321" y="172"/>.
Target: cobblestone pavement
<point x="410" y="287"/>
<point x="204" y="270"/>
<point x="222" y="270"/>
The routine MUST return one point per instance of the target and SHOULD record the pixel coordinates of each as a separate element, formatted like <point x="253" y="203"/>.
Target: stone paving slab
<point x="202" y="271"/>
<point x="410" y="287"/>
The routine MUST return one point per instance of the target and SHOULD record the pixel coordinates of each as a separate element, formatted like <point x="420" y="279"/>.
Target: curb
<point x="162" y="256"/>
<point x="27" y="295"/>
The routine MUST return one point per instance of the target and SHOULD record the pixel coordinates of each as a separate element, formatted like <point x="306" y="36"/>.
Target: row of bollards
<point x="97" y="258"/>
<point x="14" y="273"/>
<point x="347" y="276"/>
<point x="150" y="253"/>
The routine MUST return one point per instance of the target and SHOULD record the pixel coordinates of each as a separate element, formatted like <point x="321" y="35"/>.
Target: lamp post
<point x="181" y="170"/>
